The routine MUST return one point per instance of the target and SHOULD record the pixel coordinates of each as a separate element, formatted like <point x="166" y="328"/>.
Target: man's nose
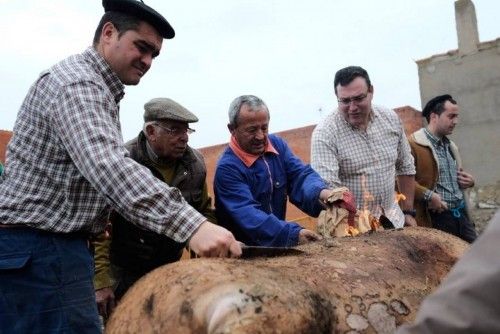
<point x="184" y="137"/>
<point x="260" y="134"/>
<point x="147" y="60"/>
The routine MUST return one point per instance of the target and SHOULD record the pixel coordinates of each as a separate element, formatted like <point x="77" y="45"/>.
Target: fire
<point x="366" y="221"/>
<point x="366" y="218"/>
<point x="399" y="197"/>
<point x="352" y="231"/>
<point x="367" y="196"/>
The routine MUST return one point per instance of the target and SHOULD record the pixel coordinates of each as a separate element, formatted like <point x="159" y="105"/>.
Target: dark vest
<point x="141" y="251"/>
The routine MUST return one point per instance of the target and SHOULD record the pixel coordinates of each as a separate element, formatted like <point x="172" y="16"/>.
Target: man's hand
<point x="211" y="240"/>
<point x="465" y="180"/>
<point x="436" y="204"/>
<point x="306" y="236"/>
<point x="346" y="199"/>
<point x="324" y="194"/>
<point x="105" y="301"/>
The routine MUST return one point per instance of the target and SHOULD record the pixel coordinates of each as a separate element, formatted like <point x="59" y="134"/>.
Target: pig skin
<point x="367" y="284"/>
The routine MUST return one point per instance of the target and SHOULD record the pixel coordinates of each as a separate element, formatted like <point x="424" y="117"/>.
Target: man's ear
<point x="231" y="128"/>
<point x="433" y="116"/>
<point x="150" y="132"/>
<point x="108" y="31"/>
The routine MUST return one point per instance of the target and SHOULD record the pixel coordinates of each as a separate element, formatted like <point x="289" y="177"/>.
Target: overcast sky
<point x="285" y="52"/>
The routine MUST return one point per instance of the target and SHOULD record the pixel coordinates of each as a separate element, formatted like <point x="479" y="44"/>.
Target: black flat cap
<point x="142" y="11"/>
<point x="429" y="107"/>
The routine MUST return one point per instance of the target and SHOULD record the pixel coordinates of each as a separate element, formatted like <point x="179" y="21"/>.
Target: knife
<point x="249" y="252"/>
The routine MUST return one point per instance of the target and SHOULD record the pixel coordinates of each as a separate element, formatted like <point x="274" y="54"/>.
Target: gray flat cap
<point x="164" y="108"/>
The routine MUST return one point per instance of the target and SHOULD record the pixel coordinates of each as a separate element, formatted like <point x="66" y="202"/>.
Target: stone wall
<point x="471" y="74"/>
<point x="485" y="201"/>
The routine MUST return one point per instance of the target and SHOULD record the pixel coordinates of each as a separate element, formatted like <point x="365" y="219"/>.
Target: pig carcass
<point x="367" y="284"/>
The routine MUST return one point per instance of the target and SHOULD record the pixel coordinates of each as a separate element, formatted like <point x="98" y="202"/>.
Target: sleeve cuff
<point x="102" y="280"/>
<point x="294" y="236"/>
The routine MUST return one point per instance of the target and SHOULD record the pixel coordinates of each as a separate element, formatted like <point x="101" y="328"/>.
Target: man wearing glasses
<point x="364" y="147"/>
<point x="131" y="252"/>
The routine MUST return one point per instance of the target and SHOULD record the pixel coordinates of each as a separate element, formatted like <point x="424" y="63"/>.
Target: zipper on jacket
<point x="272" y="185"/>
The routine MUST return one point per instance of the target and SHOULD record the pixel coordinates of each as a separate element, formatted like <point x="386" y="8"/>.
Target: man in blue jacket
<point x="254" y="176"/>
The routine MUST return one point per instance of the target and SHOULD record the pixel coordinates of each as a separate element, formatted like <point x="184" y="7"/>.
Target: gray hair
<point x="250" y="100"/>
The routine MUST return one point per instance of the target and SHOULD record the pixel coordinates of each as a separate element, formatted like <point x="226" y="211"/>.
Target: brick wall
<point x="4" y="140"/>
<point x="412" y="118"/>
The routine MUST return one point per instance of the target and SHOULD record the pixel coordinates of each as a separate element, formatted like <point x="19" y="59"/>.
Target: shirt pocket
<point x="279" y="185"/>
<point x="280" y="196"/>
<point x="14" y="261"/>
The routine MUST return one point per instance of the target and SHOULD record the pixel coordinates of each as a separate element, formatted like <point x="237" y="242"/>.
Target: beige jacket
<point x="427" y="173"/>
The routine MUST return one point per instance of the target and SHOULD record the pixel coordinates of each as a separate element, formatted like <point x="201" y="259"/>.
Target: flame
<point x="399" y="197"/>
<point x="352" y="231"/>
<point x="367" y="196"/>
<point x="365" y="219"/>
<point x="374" y="223"/>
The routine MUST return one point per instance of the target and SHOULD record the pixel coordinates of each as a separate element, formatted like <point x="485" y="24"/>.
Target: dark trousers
<point x="124" y="279"/>
<point x="458" y="226"/>
<point x="46" y="283"/>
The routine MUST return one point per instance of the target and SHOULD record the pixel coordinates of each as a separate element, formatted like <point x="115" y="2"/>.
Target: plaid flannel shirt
<point x="66" y="164"/>
<point x="363" y="161"/>
<point x="447" y="184"/>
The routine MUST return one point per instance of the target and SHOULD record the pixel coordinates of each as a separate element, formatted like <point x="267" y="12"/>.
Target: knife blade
<point x="249" y="252"/>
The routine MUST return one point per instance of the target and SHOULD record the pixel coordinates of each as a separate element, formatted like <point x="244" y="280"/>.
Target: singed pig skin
<point x="368" y="284"/>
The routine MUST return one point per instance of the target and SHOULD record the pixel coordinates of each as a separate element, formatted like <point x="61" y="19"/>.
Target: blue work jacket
<point x="251" y="201"/>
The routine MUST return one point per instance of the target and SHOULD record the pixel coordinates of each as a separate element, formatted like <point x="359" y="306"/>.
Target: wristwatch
<point x="411" y="212"/>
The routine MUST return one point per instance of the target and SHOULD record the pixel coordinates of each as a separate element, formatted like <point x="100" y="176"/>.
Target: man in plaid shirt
<point x="363" y="147"/>
<point x="67" y="167"/>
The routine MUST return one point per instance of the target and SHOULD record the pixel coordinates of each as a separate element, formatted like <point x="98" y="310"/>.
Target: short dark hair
<point x="436" y="105"/>
<point x="346" y="75"/>
<point x="122" y="22"/>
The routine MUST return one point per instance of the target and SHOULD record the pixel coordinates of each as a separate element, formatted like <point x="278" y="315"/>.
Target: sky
<point x="286" y="52"/>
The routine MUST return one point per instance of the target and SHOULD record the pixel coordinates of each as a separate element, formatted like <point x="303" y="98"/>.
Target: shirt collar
<point x="247" y="158"/>
<point x="436" y="141"/>
<point x="114" y="83"/>
<point x="374" y="113"/>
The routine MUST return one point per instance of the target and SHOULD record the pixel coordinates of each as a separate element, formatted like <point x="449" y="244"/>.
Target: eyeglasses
<point x="355" y="99"/>
<point x="176" y="132"/>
